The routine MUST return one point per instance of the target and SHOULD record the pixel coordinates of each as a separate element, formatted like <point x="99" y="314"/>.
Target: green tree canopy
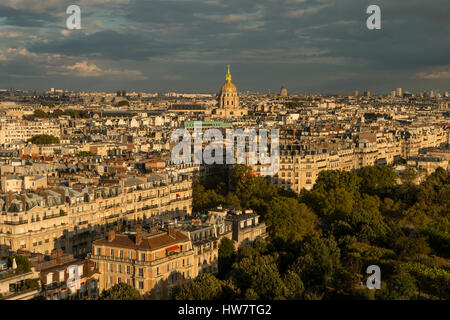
<point x="204" y="287"/>
<point x="44" y="139"/>
<point x="121" y="291"/>
<point x="290" y="220"/>
<point x="23" y="263"/>
<point x="318" y="259"/>
<point x="226" y="256"/>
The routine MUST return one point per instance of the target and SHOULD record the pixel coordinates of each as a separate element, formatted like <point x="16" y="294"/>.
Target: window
<point x="142" y="256"/>
<point x="119" y="280"/>
<point x="141" y="285"/>
<point x="157" y="271"/>
<point x="128" y="270"/>
<point x="141" y="272"/>
<point x="99" y="251"/>
<point x="121" y="254"/>
<point x="119" y="268"/>
<point x="129" y="255"/>
<point x="112" y="252"/>
<point x="110" y="267"/>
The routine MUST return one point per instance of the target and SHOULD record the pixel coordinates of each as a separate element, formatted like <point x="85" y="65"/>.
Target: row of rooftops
<point x="59" y="195"/>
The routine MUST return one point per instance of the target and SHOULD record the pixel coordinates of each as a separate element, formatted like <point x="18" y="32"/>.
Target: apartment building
<point x="14" y="131"/>
<point x="205" y="242"/>
<point x="246" y="227"/>
<point x="300" y="164"/>
<point x="154" y="261"/>
<point x="71" y="218"/>
<point x="64" y="277"/>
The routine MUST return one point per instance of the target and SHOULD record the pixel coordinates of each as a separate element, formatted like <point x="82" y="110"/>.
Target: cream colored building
<point x="14" y="131"/>
<point x="153" y="262"/>
<point x="62" y="217"/>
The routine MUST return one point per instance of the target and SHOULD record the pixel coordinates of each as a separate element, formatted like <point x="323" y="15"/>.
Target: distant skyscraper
<point x="432" y="94"/>
<point x="446" y="94"/>
<point x="124" y="93"/>
<point x="399" y="92"/>
<point x="283" y="92"/>
<point x="367" y="94"/>
<point x="393" y="93"/>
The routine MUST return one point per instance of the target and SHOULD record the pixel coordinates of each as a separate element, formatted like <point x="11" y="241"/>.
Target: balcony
<point x="15" y="223"/>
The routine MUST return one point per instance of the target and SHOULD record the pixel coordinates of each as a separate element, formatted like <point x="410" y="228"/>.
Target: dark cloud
<point x="314" y="45"/>
<point x="107" y="44"/>
<point x="23" y="18"/>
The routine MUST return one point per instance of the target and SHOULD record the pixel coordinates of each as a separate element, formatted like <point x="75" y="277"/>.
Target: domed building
<point x="229" y="100"/>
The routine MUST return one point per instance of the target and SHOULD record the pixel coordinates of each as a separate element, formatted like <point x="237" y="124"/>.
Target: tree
<point x="121" y="291"/>
<point x="123" y="103"/>
<point x="259" y="273"/>
<point x="289" y="220"/>
<point x="377" y="179"/>
<point x="47" y="104"/>
<point x="44" y="139"/>
<point x="205" y="287"/>
<point x="409" y="175"/>
<point x="366" y="220"/>
<point x="23" y="263"/>
<point x="336" y="179"/>
<point x="294" y="284"/>
<point x="226" y="256"/>
<point x="344" y="281"/>
<point x="317" y="262"/>
<point x="400" y="286"/>
<point x="203" y="199"/>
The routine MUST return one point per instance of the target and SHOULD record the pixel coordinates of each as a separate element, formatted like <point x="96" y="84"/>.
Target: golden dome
<point x="228" y="86"/>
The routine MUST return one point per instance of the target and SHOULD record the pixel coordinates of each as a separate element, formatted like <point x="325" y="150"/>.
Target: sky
<point x="309" y="46"/>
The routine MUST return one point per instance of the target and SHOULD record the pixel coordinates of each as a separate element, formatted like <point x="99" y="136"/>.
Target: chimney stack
<point x="138" y="237"/>
<point x="111" y="235"/>
<point x="171" y="231"/>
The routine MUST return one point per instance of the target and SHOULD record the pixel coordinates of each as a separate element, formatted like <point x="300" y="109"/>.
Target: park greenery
<point x="47" y="104"/>
<point x="123" y="103"/>
<point x="44" y="139"/>
<point x="74" y="114"/>
<point x="321" y="242"/>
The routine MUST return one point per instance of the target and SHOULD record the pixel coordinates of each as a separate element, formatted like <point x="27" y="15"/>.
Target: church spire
<point x="228" y="78"/>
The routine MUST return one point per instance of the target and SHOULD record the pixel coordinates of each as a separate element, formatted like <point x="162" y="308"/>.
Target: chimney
<point x="171" y="231"/>
<point x="56" y="255"/>
<point x="138" y="237"/>
<point x="111" y="235"/>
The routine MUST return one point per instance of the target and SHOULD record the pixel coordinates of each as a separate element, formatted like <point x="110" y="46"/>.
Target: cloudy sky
<point x="185" y="45"/>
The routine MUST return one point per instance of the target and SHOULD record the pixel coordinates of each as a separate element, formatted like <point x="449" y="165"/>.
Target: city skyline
<point x="307" y="46"/>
